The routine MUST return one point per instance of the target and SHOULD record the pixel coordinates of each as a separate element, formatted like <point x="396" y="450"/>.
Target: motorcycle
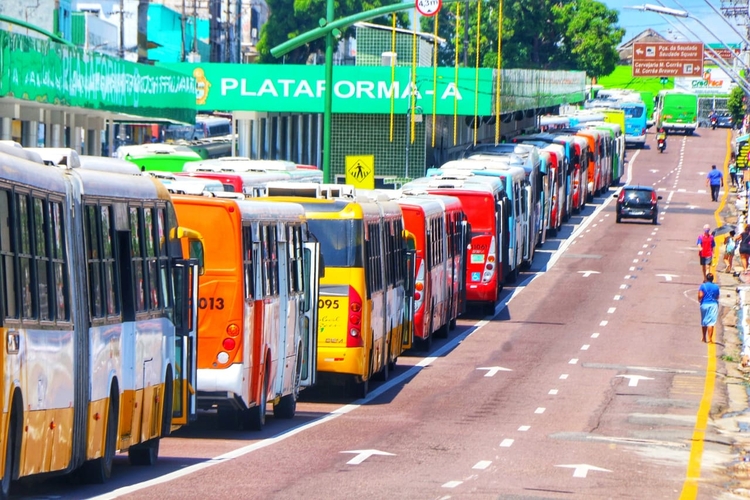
<point x="661" y="145"/>
<point x="714" y="122"/>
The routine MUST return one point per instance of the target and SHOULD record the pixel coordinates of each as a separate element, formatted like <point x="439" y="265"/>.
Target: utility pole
<point x="122" y="29"/>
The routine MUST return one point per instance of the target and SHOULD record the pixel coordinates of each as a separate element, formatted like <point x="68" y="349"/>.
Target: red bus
<point x="432" y="221"/>
<point x="484" y="203"/>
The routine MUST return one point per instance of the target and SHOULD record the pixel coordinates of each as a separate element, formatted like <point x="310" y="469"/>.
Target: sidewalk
<point x="731" y="417"/>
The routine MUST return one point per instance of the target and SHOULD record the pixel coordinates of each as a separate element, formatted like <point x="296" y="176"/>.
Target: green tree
<point x="290" y="18"/>
<point x="736" y="104"/>
<point x="537" y="34"/>
<point x="589" y="35"/>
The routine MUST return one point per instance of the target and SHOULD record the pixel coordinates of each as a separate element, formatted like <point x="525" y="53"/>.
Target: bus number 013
<point x="211" y="303"/>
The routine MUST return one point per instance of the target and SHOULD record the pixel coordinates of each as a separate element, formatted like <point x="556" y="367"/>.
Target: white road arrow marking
<point x="586" y="274"/>
<point x="492" y="370"/>
<point x="363" y="455"/>
<point x="668" y="277"/>
<point x="653" y="170"/>
<point x="634" y="379"/>
<point x="692" y="207"/>
<point x="582" y="469"/>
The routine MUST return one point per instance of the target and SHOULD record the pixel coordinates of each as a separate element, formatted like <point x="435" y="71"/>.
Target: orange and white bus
<point x="364" y="295"/>
<point x="257" y="333"/>
<point x="439" y="228"/>
<point x="97" y="317"/>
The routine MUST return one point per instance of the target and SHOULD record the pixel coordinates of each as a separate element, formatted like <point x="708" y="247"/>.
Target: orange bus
<point x="257" y="329"/>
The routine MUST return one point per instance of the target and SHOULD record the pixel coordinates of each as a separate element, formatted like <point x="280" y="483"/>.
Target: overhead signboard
<point x="723" y="53"/>
<point x="667" y="59"/>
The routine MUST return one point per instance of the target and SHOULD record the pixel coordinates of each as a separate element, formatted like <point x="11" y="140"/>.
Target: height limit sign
<point x="428" y="7"/>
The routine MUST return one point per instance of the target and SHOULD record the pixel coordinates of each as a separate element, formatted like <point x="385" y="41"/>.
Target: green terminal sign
<point x="45" y="71"/>
<point x="356" y="89"/>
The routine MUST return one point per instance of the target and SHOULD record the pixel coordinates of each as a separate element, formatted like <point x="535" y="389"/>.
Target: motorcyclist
<point x="713" y="118"/>
<point x="661" y="136"/>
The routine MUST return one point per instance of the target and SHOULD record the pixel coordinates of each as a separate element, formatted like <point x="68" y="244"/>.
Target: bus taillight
<point x="354" y="338"/>
<point x="233" y="330"/>
<point x="489" y="266"/>
<point x="419" y="286"/>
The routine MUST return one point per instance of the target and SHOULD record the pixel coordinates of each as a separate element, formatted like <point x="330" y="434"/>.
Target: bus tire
<point x="166" y="411"/>
<point x="255" y="417"/>
<point x="99" y="470"/>
<point x="146" y="453"/>
<point x="513" y="275"/>
<point x="287" y="405"/>
<point x="10" y="455"/>
<point x="452" y="324"/>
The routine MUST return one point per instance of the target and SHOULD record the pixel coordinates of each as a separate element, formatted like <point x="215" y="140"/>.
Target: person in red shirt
<point x="706" y="246"/>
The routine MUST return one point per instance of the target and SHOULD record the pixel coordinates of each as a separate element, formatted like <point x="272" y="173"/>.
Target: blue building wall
<point x="165" y="29"/>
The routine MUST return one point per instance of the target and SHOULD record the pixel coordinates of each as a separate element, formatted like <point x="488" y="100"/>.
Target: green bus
<point x="159" y="157"/>
<point x="676" y="111"/>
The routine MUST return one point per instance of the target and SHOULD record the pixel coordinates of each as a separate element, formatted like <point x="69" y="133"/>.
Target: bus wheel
<point x="99" y="470"/>
<point x="144" y="453"/>
<point x="452" y="324"/>
<point x="489" y="309"/>
<point x="9" y="455"/>
<point x="442" y="332"/>
<point x="287" y="405"/>
<point x="255" y="417"/>
<point x="385" y="373"/>
<point x="513" y="275"/>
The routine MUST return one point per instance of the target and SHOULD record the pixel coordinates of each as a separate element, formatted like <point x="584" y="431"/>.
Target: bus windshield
<point x="340" y="241"/>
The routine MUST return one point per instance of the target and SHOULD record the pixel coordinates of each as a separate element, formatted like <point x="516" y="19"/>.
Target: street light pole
<point x="327" y="108"/>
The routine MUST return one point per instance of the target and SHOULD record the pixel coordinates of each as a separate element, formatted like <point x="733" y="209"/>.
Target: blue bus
<point x="635" y="122"/>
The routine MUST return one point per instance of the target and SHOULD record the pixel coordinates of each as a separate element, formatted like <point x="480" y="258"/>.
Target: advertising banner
<point x="713" y="81"/>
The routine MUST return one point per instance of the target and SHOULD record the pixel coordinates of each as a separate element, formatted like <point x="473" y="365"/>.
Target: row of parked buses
<point x="126" y="308"/>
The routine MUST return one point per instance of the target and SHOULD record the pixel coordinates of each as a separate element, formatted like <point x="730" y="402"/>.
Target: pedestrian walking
<point x="733" y="172"/>
<point x="708" y="297"/>
<point x="743" y="239"/>
<point x="706" y="244"/>
<point x="730" y="245"/>
<point x="715" y="180"/>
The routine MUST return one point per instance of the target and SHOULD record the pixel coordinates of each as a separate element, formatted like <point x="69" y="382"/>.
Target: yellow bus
<point x="365" y="293"/>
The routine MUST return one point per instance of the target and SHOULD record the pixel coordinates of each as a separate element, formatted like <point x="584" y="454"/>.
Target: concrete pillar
<point x="300" y="139"/>
<point x="6" y="129"/>
<point x="110" y="124"/>
<point x="265" y="154"/>
<point x="243" y="137"/>
<point x="30" y="133"/>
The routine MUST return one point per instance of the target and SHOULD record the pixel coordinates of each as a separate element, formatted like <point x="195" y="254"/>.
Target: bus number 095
<point x="211" y="303"/>
<point x="328" y="304"/>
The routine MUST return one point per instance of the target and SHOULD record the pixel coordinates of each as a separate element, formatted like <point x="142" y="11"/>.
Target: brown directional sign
<point x="667" y="59"/>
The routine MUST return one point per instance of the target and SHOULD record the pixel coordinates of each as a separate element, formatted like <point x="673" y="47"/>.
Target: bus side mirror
<point x="196" y="252"/>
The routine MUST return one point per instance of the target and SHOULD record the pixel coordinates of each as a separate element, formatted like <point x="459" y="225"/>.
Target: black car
<point x="637" y="202"/>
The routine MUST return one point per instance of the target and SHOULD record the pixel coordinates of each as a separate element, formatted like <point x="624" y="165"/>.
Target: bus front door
<point x="185" y="283"/>
<point x="312" y="273"/>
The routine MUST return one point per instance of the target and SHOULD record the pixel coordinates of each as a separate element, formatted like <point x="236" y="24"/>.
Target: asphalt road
<point x="590" y="382"/>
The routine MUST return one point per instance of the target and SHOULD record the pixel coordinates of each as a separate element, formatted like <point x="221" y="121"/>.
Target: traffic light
<point x="664" y="80"/>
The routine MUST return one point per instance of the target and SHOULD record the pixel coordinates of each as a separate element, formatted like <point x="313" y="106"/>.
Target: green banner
<point x="41" y="70"/>
<point x="356" y="89"/>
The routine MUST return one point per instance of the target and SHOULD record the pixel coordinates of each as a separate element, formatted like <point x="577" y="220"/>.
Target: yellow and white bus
<point x="364" y="321"/>
<point x="97" y="316"/>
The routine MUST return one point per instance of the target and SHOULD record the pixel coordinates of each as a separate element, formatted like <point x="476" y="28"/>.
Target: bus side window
<point x="247" y="262"/>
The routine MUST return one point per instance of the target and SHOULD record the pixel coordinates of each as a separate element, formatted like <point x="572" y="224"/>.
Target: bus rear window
<point x="340" y="241"/>
<point x="480" y="211"/>
<point x="633" y="112"/>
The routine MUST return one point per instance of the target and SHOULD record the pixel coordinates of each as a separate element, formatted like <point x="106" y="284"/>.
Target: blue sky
<point x="635" y="21"/>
